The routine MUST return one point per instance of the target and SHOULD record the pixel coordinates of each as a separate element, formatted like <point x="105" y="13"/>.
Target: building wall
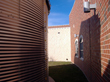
<point x="95" y="29"/>
<point x="22" y="41"/>
<point x="59" y="44"/>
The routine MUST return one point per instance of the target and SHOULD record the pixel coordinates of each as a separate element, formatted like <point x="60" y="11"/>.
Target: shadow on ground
<point x="66" y="73"/>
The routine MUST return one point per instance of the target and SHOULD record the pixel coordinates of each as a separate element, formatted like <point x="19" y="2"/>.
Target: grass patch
<point x="66" y="72"/>
<point x="58" y="63"/>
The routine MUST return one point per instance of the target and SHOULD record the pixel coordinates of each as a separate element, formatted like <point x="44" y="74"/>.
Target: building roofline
<point x="48" y="5"/>
<point x="72" y="7"/>
<point x="59" y="26"/>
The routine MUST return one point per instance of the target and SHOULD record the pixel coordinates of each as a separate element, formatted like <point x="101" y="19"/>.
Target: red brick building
<point x="90" y="40"/>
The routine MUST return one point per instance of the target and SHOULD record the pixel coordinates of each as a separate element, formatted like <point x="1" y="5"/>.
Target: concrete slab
<point x="50" y="79"/>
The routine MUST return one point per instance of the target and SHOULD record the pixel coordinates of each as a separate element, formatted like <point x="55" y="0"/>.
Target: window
<point x="58" y="32"/>
<point x="81" y="46"/>
<point x="76" y="47"/>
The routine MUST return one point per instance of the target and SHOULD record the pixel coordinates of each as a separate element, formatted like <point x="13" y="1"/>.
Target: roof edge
<point x="48" y="5"/>
<point x="72" y="7"/>
<point x="59" y="26"/>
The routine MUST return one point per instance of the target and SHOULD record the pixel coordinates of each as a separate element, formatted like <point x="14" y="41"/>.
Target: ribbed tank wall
<point x="22" y="55"/>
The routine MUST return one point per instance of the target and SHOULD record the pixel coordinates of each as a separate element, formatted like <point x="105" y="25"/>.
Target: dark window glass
<point x="76" y="48"/>
<point x="81" y="47"/>
<point x="58" y="32"/>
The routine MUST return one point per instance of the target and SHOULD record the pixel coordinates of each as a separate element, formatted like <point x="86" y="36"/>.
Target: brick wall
<point x="95" y="29"/>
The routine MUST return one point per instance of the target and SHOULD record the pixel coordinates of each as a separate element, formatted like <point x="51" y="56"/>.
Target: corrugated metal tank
<point x="23" y="56"/>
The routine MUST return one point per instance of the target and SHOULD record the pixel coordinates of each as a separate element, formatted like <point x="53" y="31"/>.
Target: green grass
<point x="58" y="63"/>
<point x="66" y="72"/>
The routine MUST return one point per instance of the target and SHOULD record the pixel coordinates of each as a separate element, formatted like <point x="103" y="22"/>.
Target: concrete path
<point x="50" y="79"/>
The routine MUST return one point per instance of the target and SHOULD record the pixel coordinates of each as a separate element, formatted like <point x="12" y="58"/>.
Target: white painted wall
<point x="59" y="45"/>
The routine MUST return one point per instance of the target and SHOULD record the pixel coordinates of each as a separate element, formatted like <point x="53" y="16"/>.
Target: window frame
<point x="81" y="49"/>
<point x="76" y="48"/>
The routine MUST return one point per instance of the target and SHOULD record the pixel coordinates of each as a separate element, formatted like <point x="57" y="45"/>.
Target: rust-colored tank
<point x="23" y="25"/>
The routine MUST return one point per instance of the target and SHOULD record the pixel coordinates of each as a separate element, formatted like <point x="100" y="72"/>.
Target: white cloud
<point x="57" y="19"/>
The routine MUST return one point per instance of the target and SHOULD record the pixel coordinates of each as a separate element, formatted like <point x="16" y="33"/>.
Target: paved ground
<point x="50" y="79"/>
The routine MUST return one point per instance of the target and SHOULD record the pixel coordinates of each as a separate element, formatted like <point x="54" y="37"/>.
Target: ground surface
<point x="66" y="72"/>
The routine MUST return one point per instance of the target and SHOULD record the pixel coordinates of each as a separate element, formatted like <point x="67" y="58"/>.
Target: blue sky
<point x="59" y="13"/>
